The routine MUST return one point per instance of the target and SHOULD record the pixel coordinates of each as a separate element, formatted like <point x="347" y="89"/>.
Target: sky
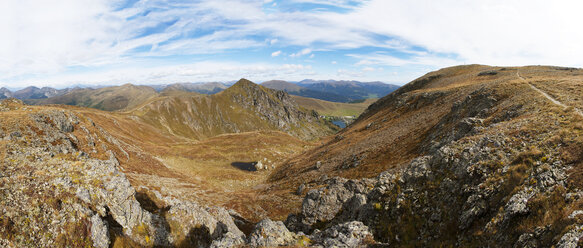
<point x="60" y="43"/>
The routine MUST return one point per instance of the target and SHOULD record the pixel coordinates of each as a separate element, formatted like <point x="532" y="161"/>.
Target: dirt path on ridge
<point x="553" y="100"/>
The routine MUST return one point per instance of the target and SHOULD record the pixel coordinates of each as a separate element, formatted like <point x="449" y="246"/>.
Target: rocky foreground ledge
<point x="60" y="188"/>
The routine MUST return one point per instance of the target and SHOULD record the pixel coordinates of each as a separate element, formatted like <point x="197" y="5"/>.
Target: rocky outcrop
<point x="270" y="233"/>
<point x="82" y="201"/>
<point x="341" y="200"/>
<point x="99" y="232"/>
<point x="350" y="234"/>
<point x="486" y="175"/>
<point x="571" y="238"/>
<point x="277" y="108"/>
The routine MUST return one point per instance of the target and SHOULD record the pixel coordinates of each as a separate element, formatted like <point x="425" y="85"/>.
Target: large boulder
<point x="268" y="233"/>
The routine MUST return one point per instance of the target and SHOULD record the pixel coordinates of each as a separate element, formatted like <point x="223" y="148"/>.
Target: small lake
<point x="247" y="166"/>
<point x="339" y="123"/>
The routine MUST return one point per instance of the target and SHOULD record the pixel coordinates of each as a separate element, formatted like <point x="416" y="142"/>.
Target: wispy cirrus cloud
<point x="54" y="40"/>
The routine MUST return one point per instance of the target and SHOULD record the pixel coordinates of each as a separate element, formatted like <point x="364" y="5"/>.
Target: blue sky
<point x="65" y="42"/>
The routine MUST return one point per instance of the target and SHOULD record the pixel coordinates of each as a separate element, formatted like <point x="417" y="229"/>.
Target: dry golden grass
<point x="333" y="108"/>
<point x="189" y="165"/>
<point x="108" y="98"/>
<point x="393" y="132"/>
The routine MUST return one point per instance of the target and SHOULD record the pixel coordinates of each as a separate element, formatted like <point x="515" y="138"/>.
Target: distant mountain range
<point x="120" y="98"/>
<point x="108" y="98"/>
<point x="203" y="88"/>
<point x="334" y="91"/>
<point x="33" y="92"/>
<point x="354" y="90"/>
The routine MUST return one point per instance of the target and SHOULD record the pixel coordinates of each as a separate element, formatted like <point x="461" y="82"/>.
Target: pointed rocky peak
<point x="244" y="83"/>
<point x="244" y="86"/>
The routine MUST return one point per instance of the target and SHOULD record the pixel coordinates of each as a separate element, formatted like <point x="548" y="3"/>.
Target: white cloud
<point x="334" y="62"/>
<point x="492" y="32"/>
<point x="275" y="54"/>
<point x="195" y="72"/>
<point x="390" y="60"/>
<point x="41" y="39"/>
<point x="304" y="51"/>
<point x="342" y="73"/>
<point x="336" y="3"/>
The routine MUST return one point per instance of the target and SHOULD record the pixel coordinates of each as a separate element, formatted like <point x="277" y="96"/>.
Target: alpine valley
<point x="466" y="156"/>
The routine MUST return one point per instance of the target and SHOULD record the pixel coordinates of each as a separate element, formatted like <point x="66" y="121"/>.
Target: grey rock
<point x="575" y="213"/>
<point x="571" y="238"/>
<point x="517" y="203"/>
<point x="526" y="240"/>
<point x="268" y="233"/>
<point x="301" y="189"/>
<point x="418" y="169"/>
<point x="318" y="165"/>
<point x="476" y="206"/>
<point x="324" y="204"/>
<point x="217" y="222"/>
<point x="350" y="234"/>
<point x="83" y="195"/>
<point x="259" y="166"/>
<point x="229" y="239"/>
<point x="99" y="233"/>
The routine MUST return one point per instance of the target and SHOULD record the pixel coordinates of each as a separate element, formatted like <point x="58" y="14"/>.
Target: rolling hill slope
<point x="243" y="107"/>
<point x="297" y="90"/>
<point x="333" y="108"/>
<point x="353" y="90"/>
<point x="203" y="88"/>
<point x="108" y="98"/>
<point x="464" y="156"/>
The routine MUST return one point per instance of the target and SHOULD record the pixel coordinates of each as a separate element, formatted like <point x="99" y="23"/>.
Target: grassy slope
<point x="109" y="98"/>
<point x="333" y="108"/>
<point x="202" y="170"/>
<point x="395" y="129"/>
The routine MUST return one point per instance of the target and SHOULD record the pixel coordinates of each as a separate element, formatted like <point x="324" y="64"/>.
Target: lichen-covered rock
<point x="571" y="238"/>
<point x="517" y="203"/>
<point x="350" y="234"/>
<point x="418" y="169"/>
<point x="99" y="232"/>
<point x="526" y="240"/>
<point x="268" y="233"/>
<point x="323" y="205"/>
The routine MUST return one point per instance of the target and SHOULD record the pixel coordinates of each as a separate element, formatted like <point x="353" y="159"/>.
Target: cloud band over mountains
<point x="58" y="42"/>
